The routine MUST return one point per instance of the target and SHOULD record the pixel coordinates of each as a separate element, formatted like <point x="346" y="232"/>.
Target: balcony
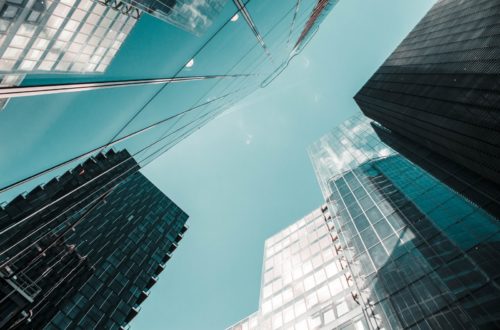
<point x="142" y="297"/>
<point x="166" y="258"/>
<point x="133" y="313"/>
<point x="152" y="281"/>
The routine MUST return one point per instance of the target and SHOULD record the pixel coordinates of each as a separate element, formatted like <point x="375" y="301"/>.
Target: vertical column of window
<point x="413" y="264"/>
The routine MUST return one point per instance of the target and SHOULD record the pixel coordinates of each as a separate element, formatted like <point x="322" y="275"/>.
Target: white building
<point x="306" y="283"/>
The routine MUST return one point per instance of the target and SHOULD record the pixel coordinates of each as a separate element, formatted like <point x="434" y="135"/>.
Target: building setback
<point x="440" y="88"/>
<point x="89" y="260"/>
<point x="479" y="190"/>
<point x="306" y="281"/>
<point x="422" y="255"/>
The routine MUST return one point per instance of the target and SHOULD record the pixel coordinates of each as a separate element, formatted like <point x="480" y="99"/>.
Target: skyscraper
<point x="440" y="89"/>
<point x="422" y="255"/>
<point x="91" y="259"/>
<point x="306" y="281"/>
<point x="163" y="83"/>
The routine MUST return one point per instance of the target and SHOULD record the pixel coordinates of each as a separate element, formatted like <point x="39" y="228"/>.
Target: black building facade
<point x="84" y="250"/>
<point x="477" y="189"/>
<point x="440" y="88"/>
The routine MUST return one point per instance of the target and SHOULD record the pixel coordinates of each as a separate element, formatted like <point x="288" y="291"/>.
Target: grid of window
<point x="109" y="256"/>
<point x="67" y="36"/>
<point x="422" y="253"/>
<point x="127" y="252"/>
<point x="305" y="281"/>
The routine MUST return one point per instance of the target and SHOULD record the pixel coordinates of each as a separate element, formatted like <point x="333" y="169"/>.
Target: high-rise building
<point x="440" y="89"/>
<point x="422" y="255"/>
<point x="306" y="281"/>
<point x="163" y="83"/>
<point x="89" y="260"/>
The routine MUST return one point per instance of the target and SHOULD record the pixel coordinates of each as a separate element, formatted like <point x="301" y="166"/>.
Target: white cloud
<point x="249" y="139"/>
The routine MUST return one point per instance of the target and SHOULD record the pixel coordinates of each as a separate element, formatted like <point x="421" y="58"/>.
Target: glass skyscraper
<point x="438" y="94"/>
<point x="306" y="281"/>
<point x="422" y="255"/>
<point x="84" y="78"/>
<point x="89" y="260"/>
<point x="93" y="75"/>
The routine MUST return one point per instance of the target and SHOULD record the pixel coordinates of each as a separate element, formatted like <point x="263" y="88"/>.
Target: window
<point x="342" y="307"/>
<point x="267" y="291"/>
<point x="19" y="41"/>
<point x="383" y="228"/>
<point x="361" y="222"/>
<point x="302" y="325"/>
<point x="10" y="12"/>
<point x="27" y="65"/>
<point x="373" y="214"/>
<point x="12" y="53"/>
<point x="277" y="321"/>
<point x="335" y="287"/>
<point x="300" y="307"/>
<point x="378" y="254"/>
<point x="331" y="270"/>
<point x="329" y="316"/>
<point x="309" y="283"/>
<point x="311" y="300"/>
<point x="369" y="237"/>
<point x="287" y="295"/>
<point x="277" y="301"/>
<point x="266" y="307"/>
<point x="288" y="314"/>
<point x="323" y="293"/>
<point x="320" y="276"/>
<point x="314" y="322"/>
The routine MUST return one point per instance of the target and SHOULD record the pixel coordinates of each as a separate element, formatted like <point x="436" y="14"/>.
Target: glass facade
<point x="306" y="283"/>
<point x="92" y="75"/>
<point x="191" y="15"/>
<point x="90" y="260"/>
<point x="423" y="256"/>
<point x="83" y="78"/>
<point x="58" y="36"/>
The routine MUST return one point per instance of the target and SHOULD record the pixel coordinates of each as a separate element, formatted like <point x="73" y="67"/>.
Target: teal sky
<point x="246" y="175"/>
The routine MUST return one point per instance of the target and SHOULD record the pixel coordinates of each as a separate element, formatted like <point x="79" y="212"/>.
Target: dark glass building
<point x="477" y="189"/>
<point x="89" y="260"/>
<point x="422" y="255"/>
<point x="440" y="89"/>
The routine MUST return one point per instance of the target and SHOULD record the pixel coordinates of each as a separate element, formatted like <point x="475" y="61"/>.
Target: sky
<point x="246" y="175"/>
